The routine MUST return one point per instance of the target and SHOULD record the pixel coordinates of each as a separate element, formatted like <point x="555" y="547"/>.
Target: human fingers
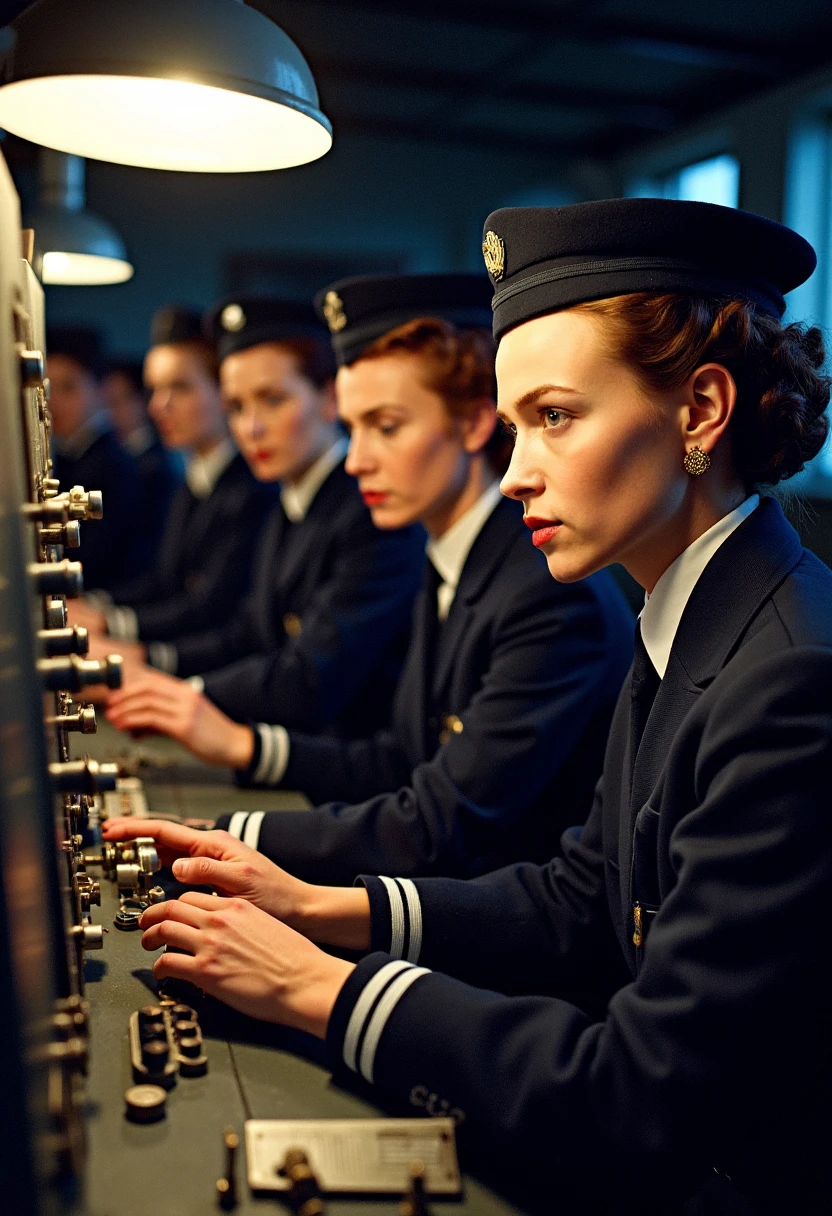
<point x="172" y="966"/>
<point x="176" y="836"/>
<point x="173" y="909"/>
<point x="208" y="903"/>
<point x="234" y="877"/>
<point x="171" y="933"/>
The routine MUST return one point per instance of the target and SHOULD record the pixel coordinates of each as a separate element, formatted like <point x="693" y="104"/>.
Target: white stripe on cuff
<point x="236" y="824"/>
<point x="281" y="754"/>
<point x="266" y="754"/>
<point x="251" y="835"/>
<point x="163" y="657"/>
<point x="197" y="683"/>
<point x="363" y="1005"/>
<point x="414" y="910"/>
<point x="122" y="623"/>
<point x="396" y="916"/>
<point x="381" y="1016"/>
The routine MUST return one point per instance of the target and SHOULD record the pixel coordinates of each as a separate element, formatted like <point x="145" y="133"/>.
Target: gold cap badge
<point x="494" y="252"/>
<point x="233" y="318"/>
<point x="333" y="310"/>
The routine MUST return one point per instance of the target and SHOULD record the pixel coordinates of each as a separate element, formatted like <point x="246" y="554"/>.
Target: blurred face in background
<point x="125" y="402"/>
<point x="282" y="422"/>
<point x="185" y="400"/>
<point x="411" y="457"/>
<point x="74" y="394"/>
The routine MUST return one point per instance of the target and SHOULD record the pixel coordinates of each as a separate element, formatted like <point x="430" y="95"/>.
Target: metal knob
<point x="68" y="534"/>
<point x="57" y="578"/>
<point x="70" y="639"/>
<point x="83" y="776"/>
<point x="31" y="368"/>
<point x="79" y="717"/>
<point x="71" y="673"/>
<point x="91" y="937"/>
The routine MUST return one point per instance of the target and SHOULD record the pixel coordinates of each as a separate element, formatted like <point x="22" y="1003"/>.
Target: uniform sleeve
<point x="109" y="548"/>
<point x="547" y="679"/>
<point x="201" y="620"/>
<point x="347" y="630"/>
<point x="640" y="1105"/>
<point x="321" y="767"/>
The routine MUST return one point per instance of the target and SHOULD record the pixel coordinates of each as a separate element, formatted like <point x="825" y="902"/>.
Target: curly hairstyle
<point x="779" y="420"/>
<point x="458" y="365"/>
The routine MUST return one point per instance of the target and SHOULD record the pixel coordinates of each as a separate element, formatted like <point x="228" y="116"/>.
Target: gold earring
<point x="696" y="462"/>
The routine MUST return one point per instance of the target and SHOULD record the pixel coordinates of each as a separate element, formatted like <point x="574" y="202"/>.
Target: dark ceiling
<point x="566" y="78"/>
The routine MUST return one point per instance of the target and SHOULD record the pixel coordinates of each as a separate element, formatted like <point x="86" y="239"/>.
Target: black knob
<point x="54" y="614"/>
<point x="71" y="673"/>
<point x="152" y="1030"/>
<point x="57" y="578"/>
<point x="186" y="1030"/>
<point x="190" y="1046"/>
<point x="183" y="1013"/>
<point x="31" y="368"/>
<point x="83" y="776"/>
<point x="150" y="1013"/>
<point x="155" y="1054"/>
<point x="71" y="639"/>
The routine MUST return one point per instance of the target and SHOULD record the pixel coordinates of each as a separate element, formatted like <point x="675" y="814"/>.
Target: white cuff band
<point x="274" y="754"/>
<point x="405" y="917"/>
<point x="372" y="1012"/>
<point x="245" y="826"/>
<point x="163" y="657"/>
<point x="122" y="623"/>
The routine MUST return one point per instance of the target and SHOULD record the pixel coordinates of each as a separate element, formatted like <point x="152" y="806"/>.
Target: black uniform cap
<point x="360" y="310"/>
<point x="542" y="259"/>
<point x="174" y="324"/>
<point x="80" y="343"/>
<point x="242" y="321"/>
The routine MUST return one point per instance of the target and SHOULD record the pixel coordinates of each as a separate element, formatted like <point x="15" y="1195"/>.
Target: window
<point x="716" y="180"/>
<point x="808" y="209"/>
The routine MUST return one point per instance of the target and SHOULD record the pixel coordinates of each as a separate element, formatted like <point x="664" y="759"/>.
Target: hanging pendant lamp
<point x="73" y="247"/>
<point x="197" y="85"/>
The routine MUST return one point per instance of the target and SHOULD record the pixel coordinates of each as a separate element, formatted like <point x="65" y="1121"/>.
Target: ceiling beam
<point x="638" y="111"/>
<point x="577" y="18"/>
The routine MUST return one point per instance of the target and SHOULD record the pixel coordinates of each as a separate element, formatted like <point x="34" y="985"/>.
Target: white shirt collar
<point x="203" y="472"/>
<point x="449" y="552"/>
<point x="297" y="498"/>
<point x="139" y="441"/>
<point x="663" y="608"/>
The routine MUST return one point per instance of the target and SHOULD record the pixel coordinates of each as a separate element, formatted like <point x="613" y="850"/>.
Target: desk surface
<point x="170" y="1168"/>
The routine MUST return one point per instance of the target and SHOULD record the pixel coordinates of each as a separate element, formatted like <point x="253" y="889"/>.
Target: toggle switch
<point x="57" y="578"/>
<point x="69" y="639"/>
<point x="71" y="673"/>
<point x="81" y="503"/>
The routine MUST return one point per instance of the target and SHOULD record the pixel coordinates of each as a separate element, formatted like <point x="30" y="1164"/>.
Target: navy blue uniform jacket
<point x="713" y="1053"/>
<point x="319" y="641"/>
<point x="204" y="568"/>
<point x="111" y="549"/>
<point x="521" y="688"/>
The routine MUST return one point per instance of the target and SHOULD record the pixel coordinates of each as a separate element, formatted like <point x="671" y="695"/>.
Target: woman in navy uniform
<point x="87" y="452"/>
<point x="204" y="565"/>
<point x="447" y="789"/>
<point x="653" y="389"/>
<point x="320" y="640"/>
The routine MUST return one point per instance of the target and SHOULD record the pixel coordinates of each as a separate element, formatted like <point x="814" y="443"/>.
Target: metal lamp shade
<point x="196" y="85"/>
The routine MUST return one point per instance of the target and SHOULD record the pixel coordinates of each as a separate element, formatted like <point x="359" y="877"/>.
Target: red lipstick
<point x="373" y="498"/>
<point x="542" y="530"/>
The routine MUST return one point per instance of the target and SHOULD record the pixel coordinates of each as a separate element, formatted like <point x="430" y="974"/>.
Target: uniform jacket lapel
<point x="498" y="534"/>
<point x="300" y="539"/>
<point x="715" y="619"/>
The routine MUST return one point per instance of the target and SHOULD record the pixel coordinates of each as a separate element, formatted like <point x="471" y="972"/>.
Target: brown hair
<point x="204" y="351"/>
<point x="314" y="358"/>
<point x="458" y="366"/>
<point x="779" y="420"/>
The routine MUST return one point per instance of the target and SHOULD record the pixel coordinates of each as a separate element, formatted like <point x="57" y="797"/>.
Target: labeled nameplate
<point x="355" y="1156"/>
